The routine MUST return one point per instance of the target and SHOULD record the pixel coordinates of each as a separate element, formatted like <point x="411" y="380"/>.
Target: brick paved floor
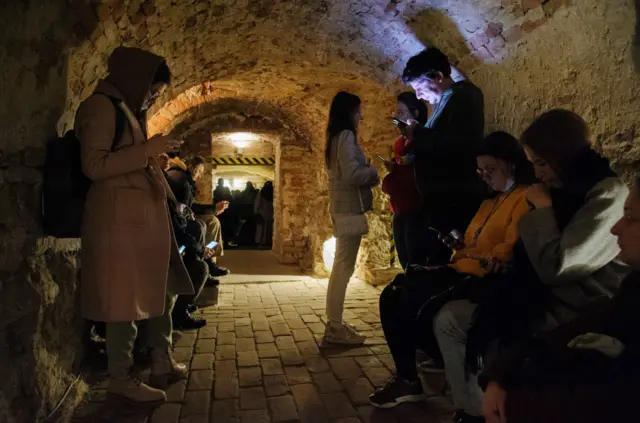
<point x="258" y="360"/>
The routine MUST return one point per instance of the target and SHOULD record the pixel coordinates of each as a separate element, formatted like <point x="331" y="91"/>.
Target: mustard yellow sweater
<point x="496" y="238"/>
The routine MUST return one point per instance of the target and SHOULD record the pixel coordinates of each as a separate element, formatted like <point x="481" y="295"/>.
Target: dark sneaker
<point x="396" y="392"/>
<point x="189" y="323"/>
<point x="463" y="417"/>
<point x="216" y="270"/>
<point x="431" y="366"/>
<point x="211" y="283"/>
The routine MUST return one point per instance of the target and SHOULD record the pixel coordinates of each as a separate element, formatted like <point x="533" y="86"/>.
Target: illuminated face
<point x="163" y="161"/>
<point x="544" y="172"/>
<point x="494" y="172"/>
<point x="429" y="89"/>
<point x="197" y="172"/>
<point x="153" y="94"/>
<point x="402" y="112"/>
<point x="627" y="229"/>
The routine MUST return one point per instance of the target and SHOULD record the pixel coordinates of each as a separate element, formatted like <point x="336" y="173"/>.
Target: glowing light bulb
<point x="329" y="253"/>
<point x="241" y="139"/>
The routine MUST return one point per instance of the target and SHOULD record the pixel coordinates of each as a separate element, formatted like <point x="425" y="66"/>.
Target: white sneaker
<point x="164" y="369"/>
<point x="342" y="333"/>
<point x="132" y="391"/>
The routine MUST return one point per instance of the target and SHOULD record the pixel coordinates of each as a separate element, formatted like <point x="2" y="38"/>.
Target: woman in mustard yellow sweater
<point x="488" y="241"/>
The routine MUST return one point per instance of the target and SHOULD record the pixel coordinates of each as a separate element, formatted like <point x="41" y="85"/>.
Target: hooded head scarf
<point x="131" y="71"/>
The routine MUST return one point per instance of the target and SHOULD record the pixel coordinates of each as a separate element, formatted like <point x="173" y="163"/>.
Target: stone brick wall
<point x="294" y="189"/>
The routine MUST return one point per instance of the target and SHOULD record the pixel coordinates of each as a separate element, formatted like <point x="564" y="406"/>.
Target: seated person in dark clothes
<point x="564" y="262"/>
<point x="587" y="370"/>
<point x="182" y="180"/>
<point x="192" y="256"/>
<point x="489" y="239"/>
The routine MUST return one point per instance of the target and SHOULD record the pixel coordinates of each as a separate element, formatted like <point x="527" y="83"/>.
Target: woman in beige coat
<point x="131" y="268"/>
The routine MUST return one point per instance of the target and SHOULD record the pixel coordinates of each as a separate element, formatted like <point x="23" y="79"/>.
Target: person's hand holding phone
<point x="388" y="164"/>
<point x="221" y="206"/>
<point x="159" y="144"/>
<point x="450" y="241"/>
<point x="180" y="207"/>
<point x="409" y="129"/>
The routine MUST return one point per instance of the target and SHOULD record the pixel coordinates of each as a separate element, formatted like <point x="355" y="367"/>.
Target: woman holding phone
<point x="409" y="226"/>
<point x="488" y="241"/>
<point x="350" y="183"/>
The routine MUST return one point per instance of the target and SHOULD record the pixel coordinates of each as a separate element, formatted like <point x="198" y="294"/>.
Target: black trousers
<point x="406" y="320"/>
<point x="412" y="238"/>
<point x="196" y="267"/>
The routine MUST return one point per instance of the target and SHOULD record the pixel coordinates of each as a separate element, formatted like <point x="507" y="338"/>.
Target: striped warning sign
<point x="243" y="160"/>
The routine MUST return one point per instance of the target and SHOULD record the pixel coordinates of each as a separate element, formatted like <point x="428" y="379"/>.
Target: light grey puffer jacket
<point x="580" y="263"/>
<point x="350" y="178"/>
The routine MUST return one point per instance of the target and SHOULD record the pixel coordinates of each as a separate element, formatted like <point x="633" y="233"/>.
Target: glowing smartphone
<point x="212" y="244"/>
<point x="399" y="123"/>
<point x="181" y="249"/>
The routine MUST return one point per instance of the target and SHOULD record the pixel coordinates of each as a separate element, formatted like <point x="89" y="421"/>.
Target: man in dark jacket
<point x="183" y="181"/>
<point x="198" y="269"/>
<point x="445" y="147"/>
<point x="183" y="184"/>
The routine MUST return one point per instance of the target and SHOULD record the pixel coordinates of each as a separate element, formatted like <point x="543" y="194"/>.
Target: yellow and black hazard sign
<point x="264" y="161"/>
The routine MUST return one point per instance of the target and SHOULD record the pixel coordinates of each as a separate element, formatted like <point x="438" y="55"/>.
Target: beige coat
<point x="130" y="258"/>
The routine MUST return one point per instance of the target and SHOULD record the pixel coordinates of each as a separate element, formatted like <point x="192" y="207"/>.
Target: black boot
<point x="212" y="283"/>
<point x="462" y="417"/>
<point x="188" y="322"/>
<point x="215" y="270"/>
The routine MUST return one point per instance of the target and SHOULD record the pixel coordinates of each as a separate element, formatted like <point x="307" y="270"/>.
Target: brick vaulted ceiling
<point x="283" y="60"/>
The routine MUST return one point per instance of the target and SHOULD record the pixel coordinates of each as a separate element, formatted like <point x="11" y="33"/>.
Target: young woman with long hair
<point x="350" y="183"/>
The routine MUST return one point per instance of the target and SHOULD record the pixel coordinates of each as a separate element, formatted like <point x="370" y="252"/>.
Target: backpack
<point x="65" y="186"/>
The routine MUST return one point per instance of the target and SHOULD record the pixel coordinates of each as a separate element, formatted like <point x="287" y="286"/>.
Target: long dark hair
<point x="417" y="108"/>
<point x="505" y="146"/>
<point x="343" y="107"/>
<point x="556" y="137"/>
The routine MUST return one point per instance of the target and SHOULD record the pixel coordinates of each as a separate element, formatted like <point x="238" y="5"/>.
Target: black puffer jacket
<point x="182" y="185"/>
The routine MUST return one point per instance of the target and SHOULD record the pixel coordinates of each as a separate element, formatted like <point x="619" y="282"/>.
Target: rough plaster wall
<point x="281" y="61"/>
<point x="39" y="329"/>
<point x="297" y="186"/>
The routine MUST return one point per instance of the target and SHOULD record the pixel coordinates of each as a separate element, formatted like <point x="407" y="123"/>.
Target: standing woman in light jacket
<point x="350" y="183"/>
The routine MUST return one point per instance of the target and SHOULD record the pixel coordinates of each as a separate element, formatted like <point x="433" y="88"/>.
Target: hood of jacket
<point x="131" y="71"/>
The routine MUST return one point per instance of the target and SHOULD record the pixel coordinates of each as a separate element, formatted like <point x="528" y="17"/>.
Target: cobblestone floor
<point x="258" y="360"/>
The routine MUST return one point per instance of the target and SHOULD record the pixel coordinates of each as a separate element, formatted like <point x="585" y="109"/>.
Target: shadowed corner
<point x="635" y="46"/>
